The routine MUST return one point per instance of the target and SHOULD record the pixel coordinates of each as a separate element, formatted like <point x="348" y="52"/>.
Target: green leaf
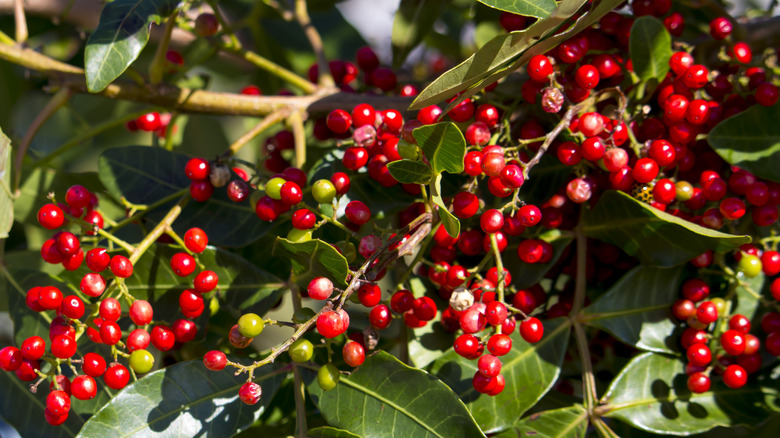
<point x="121" y="35"/>
<point x="567" y="422"/>
<point x="6" y="199"/>
<point x="444" y="146"/>
<point x="314" y="258"/>
<point x="184" y="399"/>
<point x="493" y="57"/>
<point x="530" y="371"/>
<point x="655" y="237"/>
<point x="536" y="8"/>
<point x="24" y="410"/>
<point x="26" y="322"/>
<point x="650" y="47"/>
<point x="636" y="309"/>
<point x="451" y="223"/>
<point x="330" y="432"/>
<point x="241" y="284"/>
<point x="410" y="172"/>
<point x="385" y="398"/>
<point x="413" y="21"/>
<point x="751" y="141"/>
<point x="146" y="175"/>
<point x="525" y="275"/>
<point x="651" y="393"/>
<point x="748" y="293"/>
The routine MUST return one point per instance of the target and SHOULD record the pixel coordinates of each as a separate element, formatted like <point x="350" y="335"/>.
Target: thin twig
<point x="157" y="231"/>
<point x="580" y="283"/>
<point x="268" y="121"/>
<point x="157" y="67"/>
<point x="20" y="21"/>
<point x="302" y="16"/>
<point x="54" y="104"/>
<point x="299" y="135"/>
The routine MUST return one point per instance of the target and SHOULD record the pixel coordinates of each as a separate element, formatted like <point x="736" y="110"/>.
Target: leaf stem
<point x="499" y="267"/>
<point x="300" y="405"/>
<point x="296" y="120"/>
<point x="157" y="67"/>
<point x="149" y="207"/>
<point x="103" y="233"/>
<point x="158" y="230"/>
<point x="580" y="283"/>
<point x="20" y="21"/>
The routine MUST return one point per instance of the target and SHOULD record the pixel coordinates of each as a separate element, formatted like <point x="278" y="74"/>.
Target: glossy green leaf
<point x="413" y="21"/>
<point x="26" y="322"/>
<point x="410" y="172"/>
<point x="314" y="258"/>
<point x="451" y="223"/>
<point x="528" y="8"/>
<point x="385" y="398"/>
<point x="444" y="146"/>
<point x="492" y="57"/>
<point x="330" y="432"/>
<point x="241" y="284"/>
<point x="24" y="410"/>
<point x="650" y="48"/>
<point x="525" y="275"/>
<point x="119" y="38"/>
<point x="146" y="175"/>
<point x="570" y="422"/>
<point x="184" y="399"/>
<point x="651" y="393"/>
<point x="655" y="237"/>
<point x="751" y="140"/>
<point x="530" y="371"/>
<point x="636" y="309"/>
<point x="6" y="198"/>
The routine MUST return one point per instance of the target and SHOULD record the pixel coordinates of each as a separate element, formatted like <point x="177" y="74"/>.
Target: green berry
<point x="720" y="304"/>
<point x="141" y="361"/>
<point x="328" y="376"/>
<point x="407" y="150"/>
<point x="250" y="325"/>
<point x="273" y="188"/>
<point x="299" y="236"/>
<point x="323" y="191"/>
<point x="303" y="314"/>
<point x="301" y="350"/>
<point x="750" y="265"/>
<point x="684" y="191"/>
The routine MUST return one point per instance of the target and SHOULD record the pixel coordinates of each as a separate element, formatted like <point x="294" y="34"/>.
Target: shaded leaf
<point x="651" y="393"/>
<point x="444" y="146"/>
<point x="410" y="171"/>
<point x="655" y="237"/>
<point x="385" y="398"/>
<point x="6" y="198"/>
<point x="121" y="35"/>
<point x="637" y="309"/>
<point x="24" y="410"/>
<point x="748" y="294"/>
<point x="524" y="274"/>
<point x="451" y="223"/>
<point x="492" y="57"/>
<point x="570" y="422"/>
<point x="413" y="21"/>
<point x="650" y="48"/>
<point x="146" y="175"/>
<point x="530" y="371"/>
<point x="313" y="258"/>
<point x="330" y="432"/>
<point x="26" y="322"/>
<point x="184" y="399"/>
<point x="751" y="140"/>
<point x="241" y="284"/>
<point x="528" y="8"/>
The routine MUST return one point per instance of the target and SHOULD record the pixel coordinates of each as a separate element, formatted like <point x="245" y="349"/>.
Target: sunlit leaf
<point x="313" y="258"/>
<point x="6" y="198"/>
<point x="410" y="172"/>
<point x="444" y="146"/>
<point x="650" y="48"/>
<point x="570" y="422"/>
<point x="528" y="8"/>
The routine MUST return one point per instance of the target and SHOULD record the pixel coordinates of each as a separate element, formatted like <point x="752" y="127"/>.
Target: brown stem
<point x="296" y="120"/>
<point x="157" y="231"/>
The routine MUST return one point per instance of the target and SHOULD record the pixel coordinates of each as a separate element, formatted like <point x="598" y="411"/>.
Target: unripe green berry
<point x="328" y="376"/>
<point x="273" y="188"/>
<point x="407" y="150"/>
<point x="250" y="325"/>
<point x="141" y="361"/>
<point x="323" y="191"/>
<point x="684" y="190"/>
<point x="301" y="350"/>
<point x="299" y="236"/>
<point x="750" y="265"/>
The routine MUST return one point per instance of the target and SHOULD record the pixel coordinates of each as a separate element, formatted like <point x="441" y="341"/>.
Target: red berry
<point x="58" y="403"/>
<point x="735" y="376"/>
<point x="531" y="330"/>
<point x="330" y="324"/>
<point x="163" y="338"/>
<point x="110" y="333"/>
<point x="121" y="266"/>
<point x="357" y="212"/>
<point x="184" y="330"/>
<point x="215" y="360"/>
<point x="63" y="346"/>
<point x="489" y="365"/>
<point x="499" y="344"/>
<point x="339" y="121"/>
<point x="354" y="354"/>
<point x="369" y="294"/>
<point x="707" y="312"/>
<point x="50" y="216"/>
<point x="539" y="68"/>
<point x="402" y="301"/>
<point x="33" y="348"/>
<point x="250" y="393"/>
<point x="699" y="354"/>
<point x="141" y="312"/>
<point x="379" y="317"/>
<point x="698" y="383"/>
<point x="83" y="387"/>
<point x="320" y="288"/>
<point x="93" y="365"/>
<point x="197" y="169"/>
<point x="196" y="240"/>
<point x="98" y="259"/>
<point x="205" y="281"/>
<point x="116" y="376"/>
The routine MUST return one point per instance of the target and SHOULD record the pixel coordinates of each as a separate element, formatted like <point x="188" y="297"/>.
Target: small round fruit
<point x="354" y="353"/>
<point x="301" y="350"/>
<point x="121" y="266"/>
<point x="141" y="361"/>
<point x="735" y="376"/>
<point x="323" y="191"/>
<point x="698" y="382"/>
<point x="250" y="393"/>
<point x="141" y="312"/>
<point x="93" y="365"/>
<point x="51" y="216"/>
<point x="328" y="376"/>
<point x="58" y="403"/>
<point x="532" y="330"/>
<point x="250" y="325"/>
<point x="196" y="240"/>
<point x="320" y="288"/>
<point x="10" y="359"/>
<point x="750" y="265"/>
<point x="215" y="360"/>
<point x="116" y="377"/>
